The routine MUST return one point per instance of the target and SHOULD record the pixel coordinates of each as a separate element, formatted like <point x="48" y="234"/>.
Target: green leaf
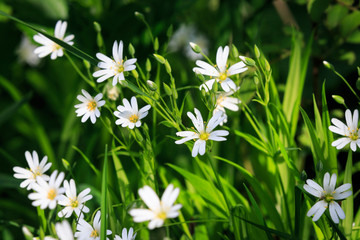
<point x="354" y="37"/>
<point x="13" y="108"/>
<point x="350" y="23"/>
<point x="87" y="160"/>
<point x="348" y="203"/>
<point x="212" y="195"/>
<point x="55" y="9"/>
<point x="335" y="14"/>
<point x="104" y="198"/>
<point x="77" y="52"/>
<point x="316" y="8"/>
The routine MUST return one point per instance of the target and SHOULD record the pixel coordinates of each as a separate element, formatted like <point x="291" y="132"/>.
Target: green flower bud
<point x="195" y="47"/>
<point x="148" y="65"/>
<point x="234" y="50"/>
<point x="167" y="67"/>
<point x="131" y="49"/>
<point x="167" y="89"/>
<point x="151" y="85"/>
<point x="139" y="16"/>
<point x="159" y="58"/>
<point x="156" y="44"/>
<point x="338" y="99"/>
<point x="248" y="61"/>
<point x="97" y="27"/>
<point x="267" y="65"/>
<point x="135" y="73"/>
<point x="87" y="64"/>
<point x="328" y="65"/>
<point x="257" y="52"/>
<point x="65" y="164"/>
<point x="138" y="135"/>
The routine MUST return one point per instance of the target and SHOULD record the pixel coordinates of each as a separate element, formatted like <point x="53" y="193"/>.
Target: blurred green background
<point x="37" y="102"/>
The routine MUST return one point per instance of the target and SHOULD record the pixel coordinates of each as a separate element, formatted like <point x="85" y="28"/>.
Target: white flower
<point x="64" y="231"/>
<point x="72" y="201"/>
<point x="125" y="235"/>
<point x="26" y="53"/>
<point x="220" y="72"/>
<point x="129" y="115"/>
<point x="47" y="193"/>
<point x="116" y="67"/>
<point x="112" y="92"/>
<point x="158" y="210"/>
<point x="51" y="47"/>
<point x="350" y="131"/>
<point x="85" y="231"/>
<point x="327" y="195"/>
<point x="202" y="133"/>
<point x="36" y="170"/>
<point x="89" y="106"/>
<point x="224" y="101"/>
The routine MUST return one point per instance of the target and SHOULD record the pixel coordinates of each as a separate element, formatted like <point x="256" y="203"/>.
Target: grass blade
<point x="104" y="197"/>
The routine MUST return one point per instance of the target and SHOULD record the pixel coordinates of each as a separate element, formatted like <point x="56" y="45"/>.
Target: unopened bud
<point x="28" y="235"/>
<point x="234" y="50"/>
<point x="248" y="61"/>
<point x="138" y="135"/>
<point x="195" y="47"/>
<point x="148" y="65"/>
<point x="135" y="74"/>
<point x="97" y="27"/>
<point x="257" y="52"/>
<point x="131" y="49"/>
<point x="139" y="16"/>
<point x="87" y="64"/>
<point x="267" y="65"/>
<point x="65" y="164"/>
<point x="338" y="99"/>
<point x="159" y="58"/>
<point x="167" y="67"/>
<point x="328" y="65"/>
<point x="156" y="44"/>
<point x="167" y="89"/>
<point x="151" y="85"/>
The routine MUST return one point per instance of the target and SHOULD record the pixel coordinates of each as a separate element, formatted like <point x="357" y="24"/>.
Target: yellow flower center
<point x="74" y="203"/>
<point x="161" y="215"/>
<point x="354" y="134"/>
<point x="91" y="106"/>
<point x="134" y="118"/>
<point x="36" y="172"/>
<point x="94" y="234"/>
<point x="56" y="47"/>
<point x="51" y="194"/>
<point x="222" y="77"/>
<point x="204" y="136"/>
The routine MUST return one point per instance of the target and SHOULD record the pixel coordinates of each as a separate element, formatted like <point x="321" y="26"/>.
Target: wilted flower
<point x="327" y="195"/>
<point x="51" y="47"/>
<point x="36" y="170"/>
<point x="89" y="106"/>
<point x="158" y="210"/>
<point x="219" y="72"/>
<point x="114" y="68"/>
<point x="202" y="133"/>
<point x="129" y="115"/>
<point x="350" y="131"/>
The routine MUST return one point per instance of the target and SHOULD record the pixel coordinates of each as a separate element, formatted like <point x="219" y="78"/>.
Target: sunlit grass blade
<point x="37" y="127"/>
<point x="213" y="197"/>
<point x="348" y="203"/>
<point x="104" y="197"/>
<point x="66" y="46"/>
<point x="257" y="211"/>
<point x="87" y="160"/>
<point x="12" y="109"/>
<point x="253" y="141"/>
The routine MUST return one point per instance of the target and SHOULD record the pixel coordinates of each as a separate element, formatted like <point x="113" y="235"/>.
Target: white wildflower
<point x="89" y="106"/>
<point x="126" y="235"/>
<point x="86" y="232"/>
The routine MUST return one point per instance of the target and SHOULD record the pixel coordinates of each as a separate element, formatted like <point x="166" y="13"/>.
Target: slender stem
<point x="79" y="72"/>
<point x="346" y="82"/>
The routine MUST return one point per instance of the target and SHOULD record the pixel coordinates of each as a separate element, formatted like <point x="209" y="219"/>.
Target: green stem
<point x="79" y="72"/>
<point x="346" y="82"/>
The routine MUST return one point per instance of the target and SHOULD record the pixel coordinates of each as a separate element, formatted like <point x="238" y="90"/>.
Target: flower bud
<point x="257" y="52"/>
<point x="167" y="67"/>
<point x="328" y="65"/>
<point x="65" y="163"/>
<point x="131" y="49"/>
<point x="148" y="65"/>
<point x="139" y="16"/>
<point x="113" y="92"/>
<point x="167" y="89"/>
<point x="267" y="65"/>
<point x="234" y="50"/>
<point x="159" y="58"/>
<point x="248" y="61"/>
<point x="195" y="47"/>
<point x="151" y="85"/>
<point x="338" y="99"/>
<point x="97" y="27"/>
<point x="156" y="44"/>
<point x="135" y="73"/>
